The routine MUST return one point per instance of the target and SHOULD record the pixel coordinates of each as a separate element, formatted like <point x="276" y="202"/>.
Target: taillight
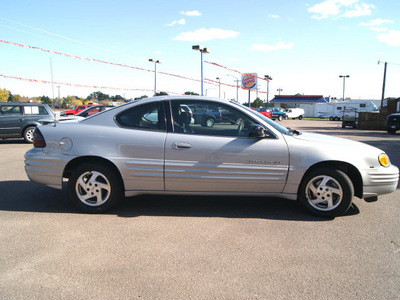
<point x="38" y="139"/>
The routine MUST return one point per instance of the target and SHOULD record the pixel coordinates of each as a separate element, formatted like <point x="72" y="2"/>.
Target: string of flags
<point x="209" y="81"/>
<point x="77" y="85"/>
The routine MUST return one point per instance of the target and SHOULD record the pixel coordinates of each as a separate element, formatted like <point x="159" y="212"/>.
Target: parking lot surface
<point x="158" y="247"/>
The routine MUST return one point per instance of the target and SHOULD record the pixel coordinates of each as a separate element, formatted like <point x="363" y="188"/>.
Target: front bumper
<point x="380" y="181"/>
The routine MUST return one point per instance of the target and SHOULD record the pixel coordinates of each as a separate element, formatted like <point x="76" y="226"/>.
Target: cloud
<point x="363" y="10"/>
<point x="347" y="8"/>
<point x="377" y="22"/>
<point x="192" y="13"/>
<point x="269" y="48"/>
<point x="391" y="38"/>
<point x="379" y="29"/>
<point x="273" y="16"/>
<point x="203" y="34"/>
<point x="180" y="22"/>
<point x="324" y="9"/>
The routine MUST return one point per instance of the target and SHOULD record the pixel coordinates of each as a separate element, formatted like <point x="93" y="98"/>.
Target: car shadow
<point x="26" y="196"/>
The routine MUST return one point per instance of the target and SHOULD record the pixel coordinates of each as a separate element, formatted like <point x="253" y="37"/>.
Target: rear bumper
<point x="43" y="168"/>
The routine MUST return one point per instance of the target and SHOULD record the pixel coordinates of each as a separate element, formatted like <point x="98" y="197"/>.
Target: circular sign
<point x="249" y="81"/>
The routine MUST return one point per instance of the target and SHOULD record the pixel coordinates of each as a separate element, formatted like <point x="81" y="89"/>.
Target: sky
<point x="106" y="46"/>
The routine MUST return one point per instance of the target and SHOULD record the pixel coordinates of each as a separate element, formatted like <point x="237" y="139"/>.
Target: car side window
<point x="145" y="116"/>
<point x="209" y="118"/>
<point x="9" y="110"/>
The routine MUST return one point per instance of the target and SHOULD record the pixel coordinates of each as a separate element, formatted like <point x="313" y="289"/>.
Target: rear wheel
<point x="280" y="118"/>
<point x="28" y="134"/>
<point x="326" y="192"/>
<point x="391" y="130"/>
<point x="95" y="188"/>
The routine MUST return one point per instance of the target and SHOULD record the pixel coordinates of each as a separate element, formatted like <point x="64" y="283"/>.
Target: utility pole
<point x="384" y="83"/>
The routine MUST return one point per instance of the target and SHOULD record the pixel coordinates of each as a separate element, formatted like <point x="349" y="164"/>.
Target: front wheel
<point x="95" y="188"/>
<point x="209" y="122"/>
<point x="280" y="118"/>
<point x="326" y="192"/>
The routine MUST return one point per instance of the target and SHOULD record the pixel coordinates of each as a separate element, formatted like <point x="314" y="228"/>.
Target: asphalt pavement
<point x="158" y="247"/>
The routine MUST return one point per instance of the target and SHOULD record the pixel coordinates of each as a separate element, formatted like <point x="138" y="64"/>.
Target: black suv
<point x="20" y="119"/>
<point x="393" y="123"/>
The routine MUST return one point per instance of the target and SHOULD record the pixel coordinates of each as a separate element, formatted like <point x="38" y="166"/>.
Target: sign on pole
<point x="249" y="82"/>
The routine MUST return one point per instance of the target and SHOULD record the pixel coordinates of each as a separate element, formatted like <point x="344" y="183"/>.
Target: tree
<point x="257" y="103"/>
<point x="45" y="100"/>
<point x="161" y="94"/>
<point x="191" y="93"/>
<point x="141" y="97"/>
<point x="10" y="97"/>
<point x="4" y="94"/>
<point x="117" y="98"/>
<point x="99" y="96"/>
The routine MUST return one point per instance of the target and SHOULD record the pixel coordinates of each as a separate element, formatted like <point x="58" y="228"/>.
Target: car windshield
<point x="278" y="127"/>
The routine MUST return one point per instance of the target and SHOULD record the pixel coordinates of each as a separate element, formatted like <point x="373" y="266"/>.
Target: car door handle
<point x="180" y="146"/>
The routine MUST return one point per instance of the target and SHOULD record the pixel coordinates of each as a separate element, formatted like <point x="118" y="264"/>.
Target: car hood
<point x="320" y="147"/>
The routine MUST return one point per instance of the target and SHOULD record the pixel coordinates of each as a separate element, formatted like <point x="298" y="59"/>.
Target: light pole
<point x="155" y="61"/>
<point x="279" y="91"/>
<point x="237" y="86"/>
<point x="344" y="80"/>
<point x="268" y="78"/>
<point x="219" y="86"/>
<point x="202" y="50"/>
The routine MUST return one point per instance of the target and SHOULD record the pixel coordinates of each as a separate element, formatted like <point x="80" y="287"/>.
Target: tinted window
<point x="146" y="116"/>
<point x="209" y="118"/>
<point x="9" y="110"/>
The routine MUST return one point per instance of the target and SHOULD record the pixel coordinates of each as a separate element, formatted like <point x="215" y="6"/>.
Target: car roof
<point x="22" y="103"/>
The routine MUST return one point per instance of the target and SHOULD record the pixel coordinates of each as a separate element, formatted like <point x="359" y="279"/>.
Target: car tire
<point x="280" y="118"/>
<point x="326" y="192"/>
<point x="209" y="122"/>
<point x="330" y="118"/>
<point x="391" y="131"/>
<point x="28" y="134"/>
<point x="300" y="117"/>
<point x="95" y="188"/>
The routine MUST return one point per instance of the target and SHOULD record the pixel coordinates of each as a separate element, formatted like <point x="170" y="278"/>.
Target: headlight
<point x="384" y="160"/>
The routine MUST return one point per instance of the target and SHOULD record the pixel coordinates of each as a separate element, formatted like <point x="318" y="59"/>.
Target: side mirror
<point x="258" y="132"/>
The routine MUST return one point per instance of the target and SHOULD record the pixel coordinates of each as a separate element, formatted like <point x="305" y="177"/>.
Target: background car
<point x="18" y="120"/>
<point x="278" y="113"/>
<point x="264" y="111"/>
<point x="151" y="146"/>
<point x="393" y="123"/>
<point x="295" y="113"/>
<point x="76" y="109"/>
<point x="206" y="114"/>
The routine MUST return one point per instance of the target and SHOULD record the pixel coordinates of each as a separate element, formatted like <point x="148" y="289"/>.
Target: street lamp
<point x="268" y="78"/>
<point x="237" y="86"/>
<point x="344" y="80"/>
<point x="279" y="91"/>
<point x="202" y="50"/>
<point x="155" y="61"/>
<point x="219" y="86"/>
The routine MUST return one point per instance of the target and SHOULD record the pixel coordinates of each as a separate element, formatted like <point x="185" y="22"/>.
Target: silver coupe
<point x="167" y="145"/>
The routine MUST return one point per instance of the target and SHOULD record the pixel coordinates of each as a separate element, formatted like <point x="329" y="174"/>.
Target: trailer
<point x="334" y="110"/>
